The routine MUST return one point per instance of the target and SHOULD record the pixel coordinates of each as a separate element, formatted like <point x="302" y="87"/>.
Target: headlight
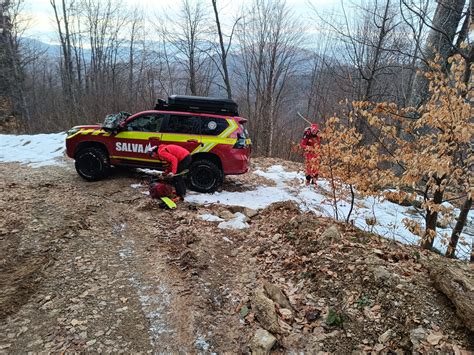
<point x="72" y="131"/>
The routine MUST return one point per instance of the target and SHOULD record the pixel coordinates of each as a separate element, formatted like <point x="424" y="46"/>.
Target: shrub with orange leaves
<point x="422" y="153"/>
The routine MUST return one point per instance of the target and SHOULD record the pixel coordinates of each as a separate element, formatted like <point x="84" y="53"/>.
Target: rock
<point x="91" y="342"/>
<point x="287" y="314"/>
<point x="276" y="238"/>
<point x="235" y="209"/>
<point x="249" y="212"/>
<point x="83" y="335"/>
<point x="226" y="214"/>
<point x="416" y="336"/>
<point x="262" y="342"/>
<point x="385" y="337"/>
<point x="276" y="295"/>
<point x="383" y="276"/>
<point x="265" y="313"/>
<point x="434" y="339"/>
<point x="331" y="233"/>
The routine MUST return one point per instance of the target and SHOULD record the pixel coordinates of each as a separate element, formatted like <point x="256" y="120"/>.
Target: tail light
<point x="241" y="142"/>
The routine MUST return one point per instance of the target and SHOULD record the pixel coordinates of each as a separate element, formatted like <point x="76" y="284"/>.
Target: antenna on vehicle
<point x="304" y="118"/>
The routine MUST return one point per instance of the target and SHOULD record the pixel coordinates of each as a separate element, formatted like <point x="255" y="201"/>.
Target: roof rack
<point x="198" y="104"/>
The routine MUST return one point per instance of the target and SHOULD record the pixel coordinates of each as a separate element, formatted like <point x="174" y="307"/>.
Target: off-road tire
<point x="92" y="163"/>
<point x="204" y="176"/>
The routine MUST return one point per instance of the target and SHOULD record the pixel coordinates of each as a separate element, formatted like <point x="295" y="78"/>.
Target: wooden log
<point x="456" y="281"/>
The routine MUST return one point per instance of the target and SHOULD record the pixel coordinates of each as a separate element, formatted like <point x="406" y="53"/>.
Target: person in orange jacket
<point x="310" y="144"/>
<point x="178" y="160"/>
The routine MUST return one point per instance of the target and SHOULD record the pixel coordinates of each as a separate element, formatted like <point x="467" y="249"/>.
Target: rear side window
<point x="213" y="126"/>
<point x="146" y="123"/>
<point x="183" y="124"/>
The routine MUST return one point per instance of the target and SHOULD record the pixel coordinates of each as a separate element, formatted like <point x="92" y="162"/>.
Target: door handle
<point x="192" y="141"/>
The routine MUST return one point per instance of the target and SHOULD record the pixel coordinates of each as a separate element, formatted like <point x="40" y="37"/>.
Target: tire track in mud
<point x="155" y="301"/>
<point x="160" y="293"/>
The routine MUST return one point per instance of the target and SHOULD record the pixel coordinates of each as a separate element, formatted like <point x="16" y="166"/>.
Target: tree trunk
<point x="461" y="222"/>
<point x="431" y="219"/>
<point x="440" y="41"/>
<point x="11" y="72"/>
<point x="223" y="53"/>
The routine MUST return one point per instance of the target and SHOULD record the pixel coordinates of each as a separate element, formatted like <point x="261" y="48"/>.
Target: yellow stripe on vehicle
<point x="208" y="147"/>
<point x="232" y="127"/>
<point x="174" y="137"/>
<point x="87" y="131"/>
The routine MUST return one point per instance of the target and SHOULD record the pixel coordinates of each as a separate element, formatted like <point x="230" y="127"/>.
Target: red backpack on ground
<point x="159" y="189"/>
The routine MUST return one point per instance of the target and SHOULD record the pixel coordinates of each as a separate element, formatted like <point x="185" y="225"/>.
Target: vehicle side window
<point x="211" y="126"/>
<point x="146" y="123"/>
<point x="183" y="124"/>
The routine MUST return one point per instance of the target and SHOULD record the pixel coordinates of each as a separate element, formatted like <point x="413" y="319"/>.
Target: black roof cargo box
<point x="198" y="104"/>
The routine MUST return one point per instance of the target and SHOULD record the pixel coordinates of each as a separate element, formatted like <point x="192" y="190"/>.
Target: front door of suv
<point x="182" y="130"/>
<point x="131" y="145"/>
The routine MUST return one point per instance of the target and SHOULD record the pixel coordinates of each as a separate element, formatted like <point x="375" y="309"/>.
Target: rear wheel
<point x="204" y="176"/>
<point x="92" y="163"/>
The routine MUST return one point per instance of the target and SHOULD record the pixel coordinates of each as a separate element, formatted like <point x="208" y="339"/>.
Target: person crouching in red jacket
<point x="178" y="159"/>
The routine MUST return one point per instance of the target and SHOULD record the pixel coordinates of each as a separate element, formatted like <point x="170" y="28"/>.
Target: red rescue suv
<point x="209" y="128"/>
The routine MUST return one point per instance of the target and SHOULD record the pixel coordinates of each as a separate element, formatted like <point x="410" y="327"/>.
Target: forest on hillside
<point x="111" y="57"/>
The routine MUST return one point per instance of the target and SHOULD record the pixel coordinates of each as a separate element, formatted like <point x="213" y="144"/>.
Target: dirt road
<point x="97" y="266"/>
<point x="100" y="267"/>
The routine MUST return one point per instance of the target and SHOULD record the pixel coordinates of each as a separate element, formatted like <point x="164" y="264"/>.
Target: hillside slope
<point x="100" y="267"/>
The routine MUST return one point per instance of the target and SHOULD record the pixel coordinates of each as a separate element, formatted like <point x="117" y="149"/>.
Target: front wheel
<point x="204" y="176"/>
<point x="92" y="163"/>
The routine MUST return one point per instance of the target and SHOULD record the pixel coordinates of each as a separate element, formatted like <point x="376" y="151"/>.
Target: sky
<point x="42" y="26"/>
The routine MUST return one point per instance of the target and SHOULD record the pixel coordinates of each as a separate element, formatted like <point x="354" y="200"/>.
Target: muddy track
<point x="96" y="266"/>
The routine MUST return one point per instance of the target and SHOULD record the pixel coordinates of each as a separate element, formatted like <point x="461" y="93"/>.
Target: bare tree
<point x="63" y="18"/>
<point x="11" y="71"/>
<point x="223" y="51"/>
<point x="269" y="40"/>
<point x="185" y="37"/>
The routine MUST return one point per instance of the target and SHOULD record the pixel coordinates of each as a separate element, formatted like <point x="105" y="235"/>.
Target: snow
<point x="150" y="172"/>
<point x="210" y="218"/>
<point x="261" y="197"/>
<point x="136" y="186"/>
<point x="35" y="150"/>
<point x="238" y="222"/>
<point x="278" y="174"/>
<point x="388" y="216"/>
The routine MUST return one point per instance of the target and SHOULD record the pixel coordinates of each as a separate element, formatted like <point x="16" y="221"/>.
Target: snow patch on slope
<point x="238" y="222"/>
<point x="388" y="216"/>
<point x="261" y="197"/>
<point x="210" y="218"/>
<point x="35" y="150"/>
